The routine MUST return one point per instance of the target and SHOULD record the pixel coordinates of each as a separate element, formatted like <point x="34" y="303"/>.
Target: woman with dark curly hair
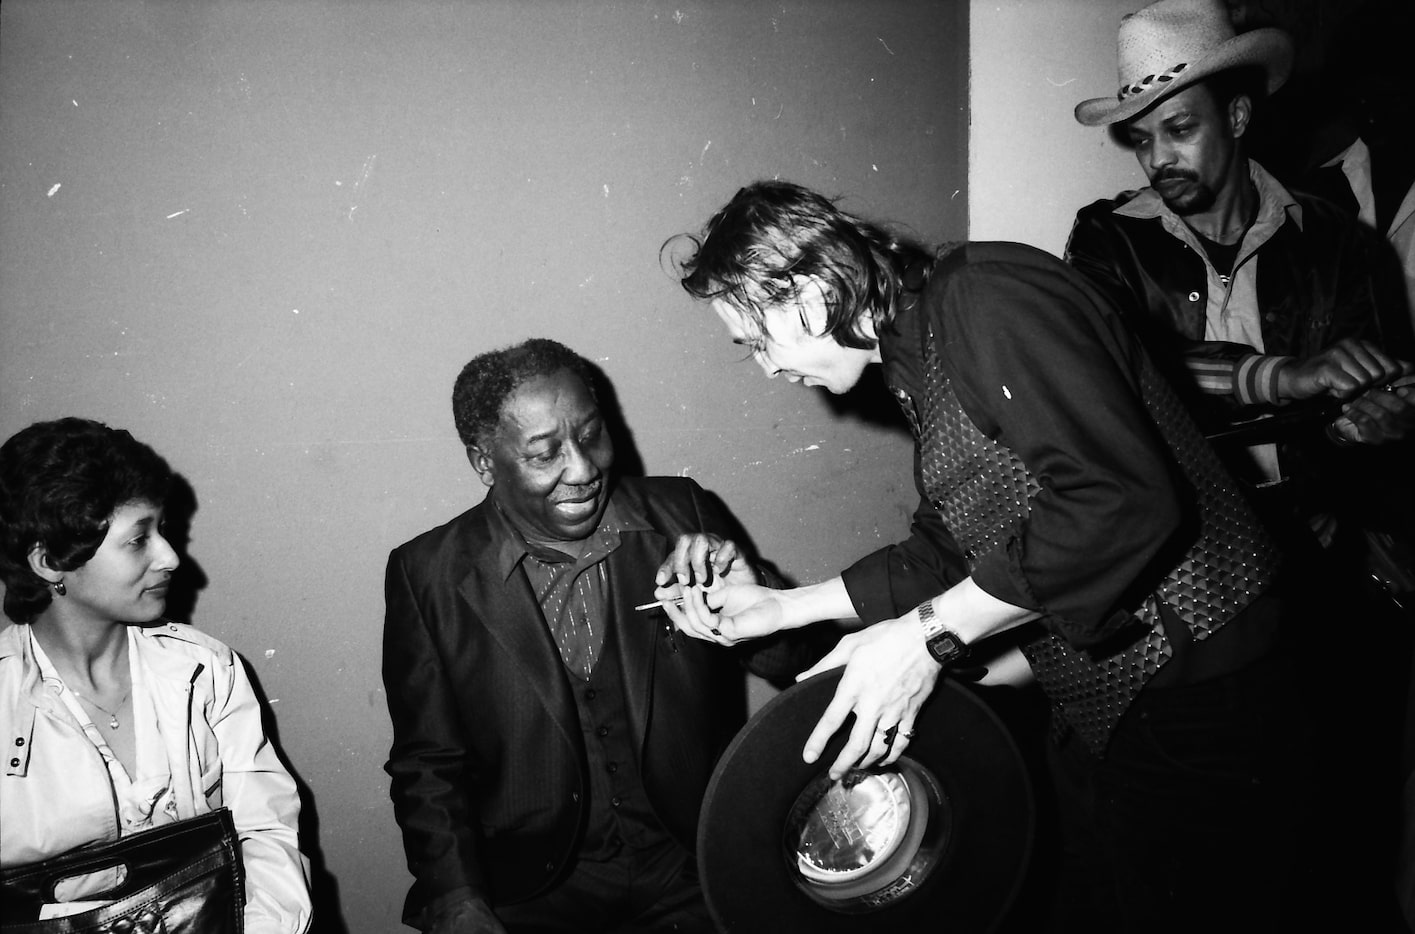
<point x="114" y="720"/>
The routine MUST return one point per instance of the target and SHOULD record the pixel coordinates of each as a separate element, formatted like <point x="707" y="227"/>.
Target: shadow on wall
<point x="324" y="887"/>
<point x="627" y="460"/>
<point x="187" y="583"/>
<point x="189" y="579"/>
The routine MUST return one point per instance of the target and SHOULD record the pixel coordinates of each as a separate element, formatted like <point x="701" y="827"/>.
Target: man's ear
<point x="1240" y="111"/>
<point x="482" y="464"/>
<point x="39" y="564"/>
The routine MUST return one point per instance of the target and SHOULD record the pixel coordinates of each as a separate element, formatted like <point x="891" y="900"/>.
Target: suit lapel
<point x="631" y="569"/>
<point x="508" y="610"/>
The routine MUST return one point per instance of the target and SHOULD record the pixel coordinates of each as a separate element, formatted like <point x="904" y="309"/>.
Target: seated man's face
<point x="548" y="466"/>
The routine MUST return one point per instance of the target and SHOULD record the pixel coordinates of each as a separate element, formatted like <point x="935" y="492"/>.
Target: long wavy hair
<point x="756" y="252"/>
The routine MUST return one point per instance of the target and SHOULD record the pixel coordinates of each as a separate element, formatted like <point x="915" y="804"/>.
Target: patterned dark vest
<point x="983" y="492"/>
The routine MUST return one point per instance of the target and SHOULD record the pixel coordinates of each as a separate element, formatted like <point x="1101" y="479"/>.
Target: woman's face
<point x="126" y="580"/>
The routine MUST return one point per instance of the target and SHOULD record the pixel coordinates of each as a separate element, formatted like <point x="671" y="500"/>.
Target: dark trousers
<point x="635" y="892"/>
<point x="1202" y="816"/>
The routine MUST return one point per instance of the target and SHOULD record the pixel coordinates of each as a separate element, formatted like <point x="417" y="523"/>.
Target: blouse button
<point x="14" y="763"/>
<point x="19" y="740"/>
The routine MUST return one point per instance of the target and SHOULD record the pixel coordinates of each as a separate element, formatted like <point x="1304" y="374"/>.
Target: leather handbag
<point x="180" y="878"/>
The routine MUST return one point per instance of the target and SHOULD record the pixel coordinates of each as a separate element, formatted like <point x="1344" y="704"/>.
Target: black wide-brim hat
<point x="939" y="841"/>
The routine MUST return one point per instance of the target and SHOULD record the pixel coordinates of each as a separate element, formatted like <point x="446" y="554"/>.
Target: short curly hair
<point x="489" y="379"/>
<point x="60" y="483"/>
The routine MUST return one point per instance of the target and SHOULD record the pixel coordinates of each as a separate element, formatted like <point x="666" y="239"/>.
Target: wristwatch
<point x="945" y="645"/>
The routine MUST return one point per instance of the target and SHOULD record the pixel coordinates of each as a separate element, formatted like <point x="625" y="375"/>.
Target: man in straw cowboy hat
<point x="1252" y="297"/>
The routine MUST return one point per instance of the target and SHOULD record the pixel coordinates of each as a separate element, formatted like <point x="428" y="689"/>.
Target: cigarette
<point x="676" y="601"/>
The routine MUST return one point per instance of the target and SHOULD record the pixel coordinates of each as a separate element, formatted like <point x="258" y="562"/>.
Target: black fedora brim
<point x="751" y="886"/>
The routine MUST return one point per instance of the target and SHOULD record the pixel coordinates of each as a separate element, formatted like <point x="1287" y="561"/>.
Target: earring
<point x="60" y="589"/>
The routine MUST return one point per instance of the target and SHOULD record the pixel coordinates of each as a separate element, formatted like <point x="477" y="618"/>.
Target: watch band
<point x="945" y="645"/>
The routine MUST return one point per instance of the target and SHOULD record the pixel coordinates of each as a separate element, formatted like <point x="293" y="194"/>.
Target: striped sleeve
<point x="1251" y="380"/>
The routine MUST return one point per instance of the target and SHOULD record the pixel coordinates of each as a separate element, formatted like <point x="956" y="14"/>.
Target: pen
<point x="676" y="601"/>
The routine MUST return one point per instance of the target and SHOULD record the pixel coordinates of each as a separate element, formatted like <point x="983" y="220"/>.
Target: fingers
<point x="722" y="559"/>
<point x="888" y="676"/>
<point x="1352" y="365"/>
<point x="705" y="619"/>
<point x="694" y="618"/>
<point x="697" y="559"/>
<point x="838" y="655"/>
<point x="877" y="740"/>
<point x="904" y="732"/>
<point x="1378" y="416"/>
<point x="833" y="718"/>
<point x="874" y="733"/>
<point x="691" y="559"/>
<point x="665" y="573"/>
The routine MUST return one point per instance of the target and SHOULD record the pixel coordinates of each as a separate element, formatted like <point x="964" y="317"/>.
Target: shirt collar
<point x="1275" y="204"/>
<point x="619" y="516"/>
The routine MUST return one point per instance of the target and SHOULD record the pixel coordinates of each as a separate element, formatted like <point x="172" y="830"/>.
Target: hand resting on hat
<point x="889" y="672"/>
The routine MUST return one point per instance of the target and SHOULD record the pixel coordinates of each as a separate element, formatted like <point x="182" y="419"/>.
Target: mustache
<point x="1175" y="175"/>
<point x="577" y="493"/>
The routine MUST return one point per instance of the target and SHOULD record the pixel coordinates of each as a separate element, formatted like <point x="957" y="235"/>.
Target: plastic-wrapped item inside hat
<point x="941" y="837"/>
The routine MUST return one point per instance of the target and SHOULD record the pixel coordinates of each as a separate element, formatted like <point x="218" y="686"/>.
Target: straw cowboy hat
<point x="1172" y="44"/>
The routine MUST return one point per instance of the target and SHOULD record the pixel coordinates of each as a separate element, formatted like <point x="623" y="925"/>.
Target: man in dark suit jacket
<point x="552" y="744"/>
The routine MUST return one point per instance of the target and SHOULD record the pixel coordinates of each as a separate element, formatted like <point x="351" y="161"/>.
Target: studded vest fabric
<point x="983" y="491"/>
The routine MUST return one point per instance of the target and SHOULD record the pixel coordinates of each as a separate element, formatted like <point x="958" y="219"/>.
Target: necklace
<point x="112" y="716"/>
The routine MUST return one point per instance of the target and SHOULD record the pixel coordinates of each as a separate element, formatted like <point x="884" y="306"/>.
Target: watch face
<point x="946" y="647"/>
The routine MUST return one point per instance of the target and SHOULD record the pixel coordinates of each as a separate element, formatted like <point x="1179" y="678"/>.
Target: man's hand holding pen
<point x="701" y="565"/>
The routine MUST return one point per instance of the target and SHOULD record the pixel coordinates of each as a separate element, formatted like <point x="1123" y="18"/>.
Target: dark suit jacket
<point x="488" y="765"/>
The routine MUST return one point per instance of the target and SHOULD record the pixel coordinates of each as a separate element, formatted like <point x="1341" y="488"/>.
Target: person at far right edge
<point x="1250" y="296"/>
<point x="1257" y="302"/>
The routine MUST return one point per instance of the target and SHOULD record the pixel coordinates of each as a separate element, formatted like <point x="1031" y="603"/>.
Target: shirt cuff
<point x="443" y="903"/>
<point x="1255" y="379"/>
<point x="868" y="585"/>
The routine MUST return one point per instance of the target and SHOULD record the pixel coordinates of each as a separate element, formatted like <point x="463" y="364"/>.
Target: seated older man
<point x="552" y="740"/>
